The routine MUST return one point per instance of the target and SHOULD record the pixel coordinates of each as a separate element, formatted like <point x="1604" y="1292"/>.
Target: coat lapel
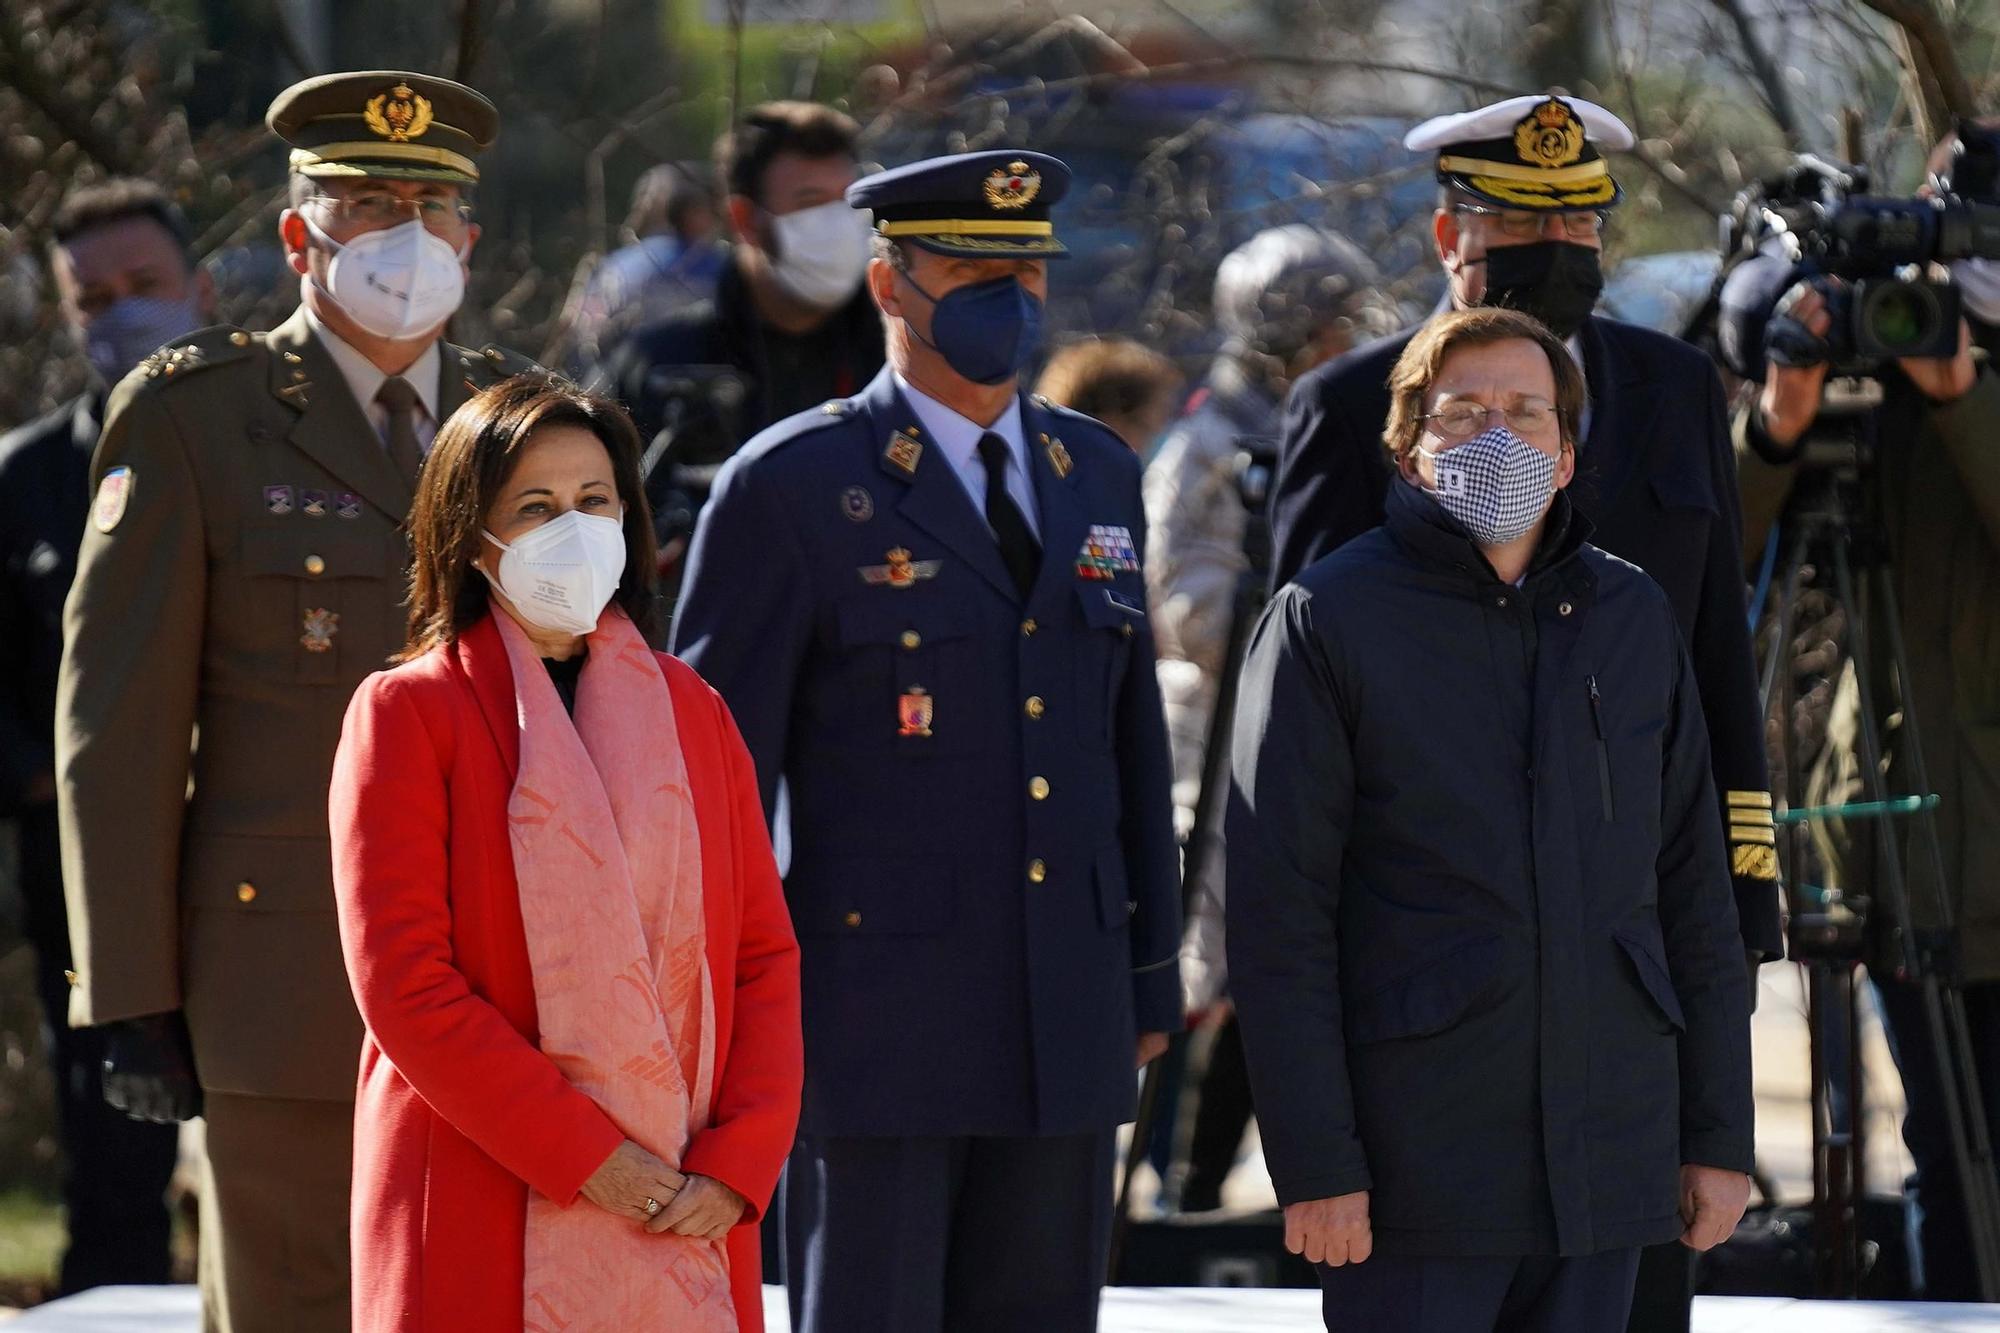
<point x="935" y="499"/>
<point x="483" y="658"/>
<point x="1621" y="408"/>
<point x="331" y="428"/>
<point x="1065" y="522"/>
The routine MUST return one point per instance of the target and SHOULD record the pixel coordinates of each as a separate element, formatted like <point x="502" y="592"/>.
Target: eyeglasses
<point x="1524" y="226"/>
<point x="379" y="209"/>
<point x="1463" y="420"/>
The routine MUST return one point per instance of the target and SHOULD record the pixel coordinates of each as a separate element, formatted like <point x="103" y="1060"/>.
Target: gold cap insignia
<point x="398" y="115"/>
<point x="1549" y="136"/>
<point x="1015" y="187"/>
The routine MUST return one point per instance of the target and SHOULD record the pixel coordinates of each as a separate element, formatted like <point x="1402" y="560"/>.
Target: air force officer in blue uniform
<point x="924" y="606"/>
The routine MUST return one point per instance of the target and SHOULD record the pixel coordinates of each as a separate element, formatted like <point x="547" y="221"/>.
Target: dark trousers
<point x="115" y="1170"/>
<point x="1663" y="1295"/>
<point x="1944" y="1244"/>
<point x="1533" y="1294"/>
<point x="965" y="1235"/>
<point x="1222" y="1113"/>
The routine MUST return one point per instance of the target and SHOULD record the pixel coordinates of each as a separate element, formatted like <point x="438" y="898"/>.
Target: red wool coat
<point x="458" y="1113"/>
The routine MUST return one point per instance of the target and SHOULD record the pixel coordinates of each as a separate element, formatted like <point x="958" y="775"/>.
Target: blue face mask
<point x="130" y="329"/>
<point x="987" y="332"/>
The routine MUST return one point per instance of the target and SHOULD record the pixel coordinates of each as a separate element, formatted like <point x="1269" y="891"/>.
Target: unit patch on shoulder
<point x="114" y="493"/>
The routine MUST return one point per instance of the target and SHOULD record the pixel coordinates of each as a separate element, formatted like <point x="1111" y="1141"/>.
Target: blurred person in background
<point x="789" y="327"/>
<point x="128" y="282"/>
<point x="1127" y="386"/>
<point x="1524" y="195"/>
<point x="1286" y="300"/>
<point x="560" y="914"/>
<point x="669" y="259"/>
<point x="240" y="575"/>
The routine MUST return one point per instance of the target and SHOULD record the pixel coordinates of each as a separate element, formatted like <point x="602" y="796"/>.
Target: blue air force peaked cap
<point x="991" y="205"/>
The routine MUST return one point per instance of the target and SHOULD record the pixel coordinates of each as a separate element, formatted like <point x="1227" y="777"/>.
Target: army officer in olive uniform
<point x="242" y="572"/>
<point x="924" y="606"/>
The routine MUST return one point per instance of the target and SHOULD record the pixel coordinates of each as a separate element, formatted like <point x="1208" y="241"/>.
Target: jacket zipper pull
<point x="1603" y="750"/>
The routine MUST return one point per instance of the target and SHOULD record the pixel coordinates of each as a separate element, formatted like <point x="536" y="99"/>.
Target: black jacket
<point x="1656" y="475"/>
<point x="704" y="380"/>
<point x="44" y="503"/>
<point x="1480" y="930"/>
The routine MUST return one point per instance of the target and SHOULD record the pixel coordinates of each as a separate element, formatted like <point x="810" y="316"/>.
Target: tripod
<point x="1829" y="526"/>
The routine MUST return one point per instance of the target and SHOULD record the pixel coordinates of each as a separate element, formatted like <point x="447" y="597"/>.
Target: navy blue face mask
<point x="987" y="331"/>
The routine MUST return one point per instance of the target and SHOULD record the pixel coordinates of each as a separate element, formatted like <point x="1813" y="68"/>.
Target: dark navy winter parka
<point x="1480" y="923"/>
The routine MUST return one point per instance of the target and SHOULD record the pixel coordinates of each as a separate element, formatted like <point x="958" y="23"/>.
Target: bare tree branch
<point x="1769" y="82"/>
<point x="1929" y="35"/>
<point x="19" y="71"/>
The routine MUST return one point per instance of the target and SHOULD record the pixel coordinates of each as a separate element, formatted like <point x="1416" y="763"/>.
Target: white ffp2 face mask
<point x="399" y="282"/>
<point x="561" y="575"/>
<point x="822" y="253"/>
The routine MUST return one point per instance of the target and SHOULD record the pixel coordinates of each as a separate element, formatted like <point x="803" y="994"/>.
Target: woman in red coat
<point x="560" y="915"/>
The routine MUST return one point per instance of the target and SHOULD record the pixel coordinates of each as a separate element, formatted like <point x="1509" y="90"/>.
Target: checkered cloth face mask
<point x="1496" y="484"/>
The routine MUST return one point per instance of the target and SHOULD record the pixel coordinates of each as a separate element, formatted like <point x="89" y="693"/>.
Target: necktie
<point x="1019" y="550"/>
<point x="399" y="398"/>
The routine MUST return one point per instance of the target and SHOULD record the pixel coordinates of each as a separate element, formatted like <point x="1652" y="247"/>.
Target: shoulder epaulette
<point x="491" y="364"/>
<point x="202" y="350"/>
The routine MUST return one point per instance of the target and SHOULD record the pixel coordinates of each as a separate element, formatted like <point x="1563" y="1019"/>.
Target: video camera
<point x="1876" y="260"/>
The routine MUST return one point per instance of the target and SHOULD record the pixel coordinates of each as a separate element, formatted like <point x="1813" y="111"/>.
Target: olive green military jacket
<point x="242" y="572"/>
<point x="1938" y="487"/>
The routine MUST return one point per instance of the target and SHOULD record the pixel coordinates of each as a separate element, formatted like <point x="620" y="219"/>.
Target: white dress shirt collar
<point x="365" y="378"/>
<point x="957" y="438"/>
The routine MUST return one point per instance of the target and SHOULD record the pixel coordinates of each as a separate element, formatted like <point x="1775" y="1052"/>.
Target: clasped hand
<point x="697" y="1206"/>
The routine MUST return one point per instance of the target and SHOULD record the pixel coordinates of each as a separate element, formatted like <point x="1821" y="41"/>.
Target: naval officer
<point x="924" y="605"/>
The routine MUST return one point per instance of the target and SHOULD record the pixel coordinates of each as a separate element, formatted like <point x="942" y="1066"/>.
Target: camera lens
<point x="1900" y="318"/>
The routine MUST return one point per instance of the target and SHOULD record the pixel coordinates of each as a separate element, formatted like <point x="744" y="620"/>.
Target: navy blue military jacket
<point x="983" y="872"/>
<point x="1480" y="930"/>
<point x="1656" y="475"/>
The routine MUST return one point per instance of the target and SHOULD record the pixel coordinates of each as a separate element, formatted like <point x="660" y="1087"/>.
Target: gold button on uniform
<point x="315" y="566"/>
<point x="1038" y="787"/>
<point x="1037" y="872"/>
<point x="911" y="638"/>
<point x="1564" y="609"/>
<point x="852" y="918"/>
<point x="1035" y="707"/>
<point x="246" y="892"/>
<point x="71" y="978"/>
<point x="1125" y="630"/>
<point x="1028" y="627"/>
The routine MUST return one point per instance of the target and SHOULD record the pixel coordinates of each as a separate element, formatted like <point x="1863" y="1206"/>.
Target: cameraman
<point x="1936" y="487"/>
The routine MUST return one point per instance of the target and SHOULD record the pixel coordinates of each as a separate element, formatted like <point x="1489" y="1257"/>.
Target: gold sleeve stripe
<point x="1753" y="833"/>
<point x="1748" y="799"/>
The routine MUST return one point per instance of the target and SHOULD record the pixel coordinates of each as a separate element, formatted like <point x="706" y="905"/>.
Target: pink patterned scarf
<point x="608" y="858"/>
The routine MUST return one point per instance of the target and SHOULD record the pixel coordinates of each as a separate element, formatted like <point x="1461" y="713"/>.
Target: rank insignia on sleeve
<point x="313" y="503"/>
<point x="114" y="492"/>
<point x="913" y="712"/>
<point x="1107" y="552"/>
<point x="278" y="500"/>
<point x="321" y="626"/>
<point x="900" y="572"/>
<point x="857" y="505"/>
<point x="1752" y="861"/>
<point x="903" y="452"/>
<point x="1059" y="459"/>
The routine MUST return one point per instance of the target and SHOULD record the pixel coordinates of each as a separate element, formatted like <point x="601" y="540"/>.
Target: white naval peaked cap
<point x="1537" y="152"/>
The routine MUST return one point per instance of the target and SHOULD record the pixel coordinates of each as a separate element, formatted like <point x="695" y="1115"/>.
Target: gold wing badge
<point x="900" y="572"/>
<point x="398" y="115"/>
